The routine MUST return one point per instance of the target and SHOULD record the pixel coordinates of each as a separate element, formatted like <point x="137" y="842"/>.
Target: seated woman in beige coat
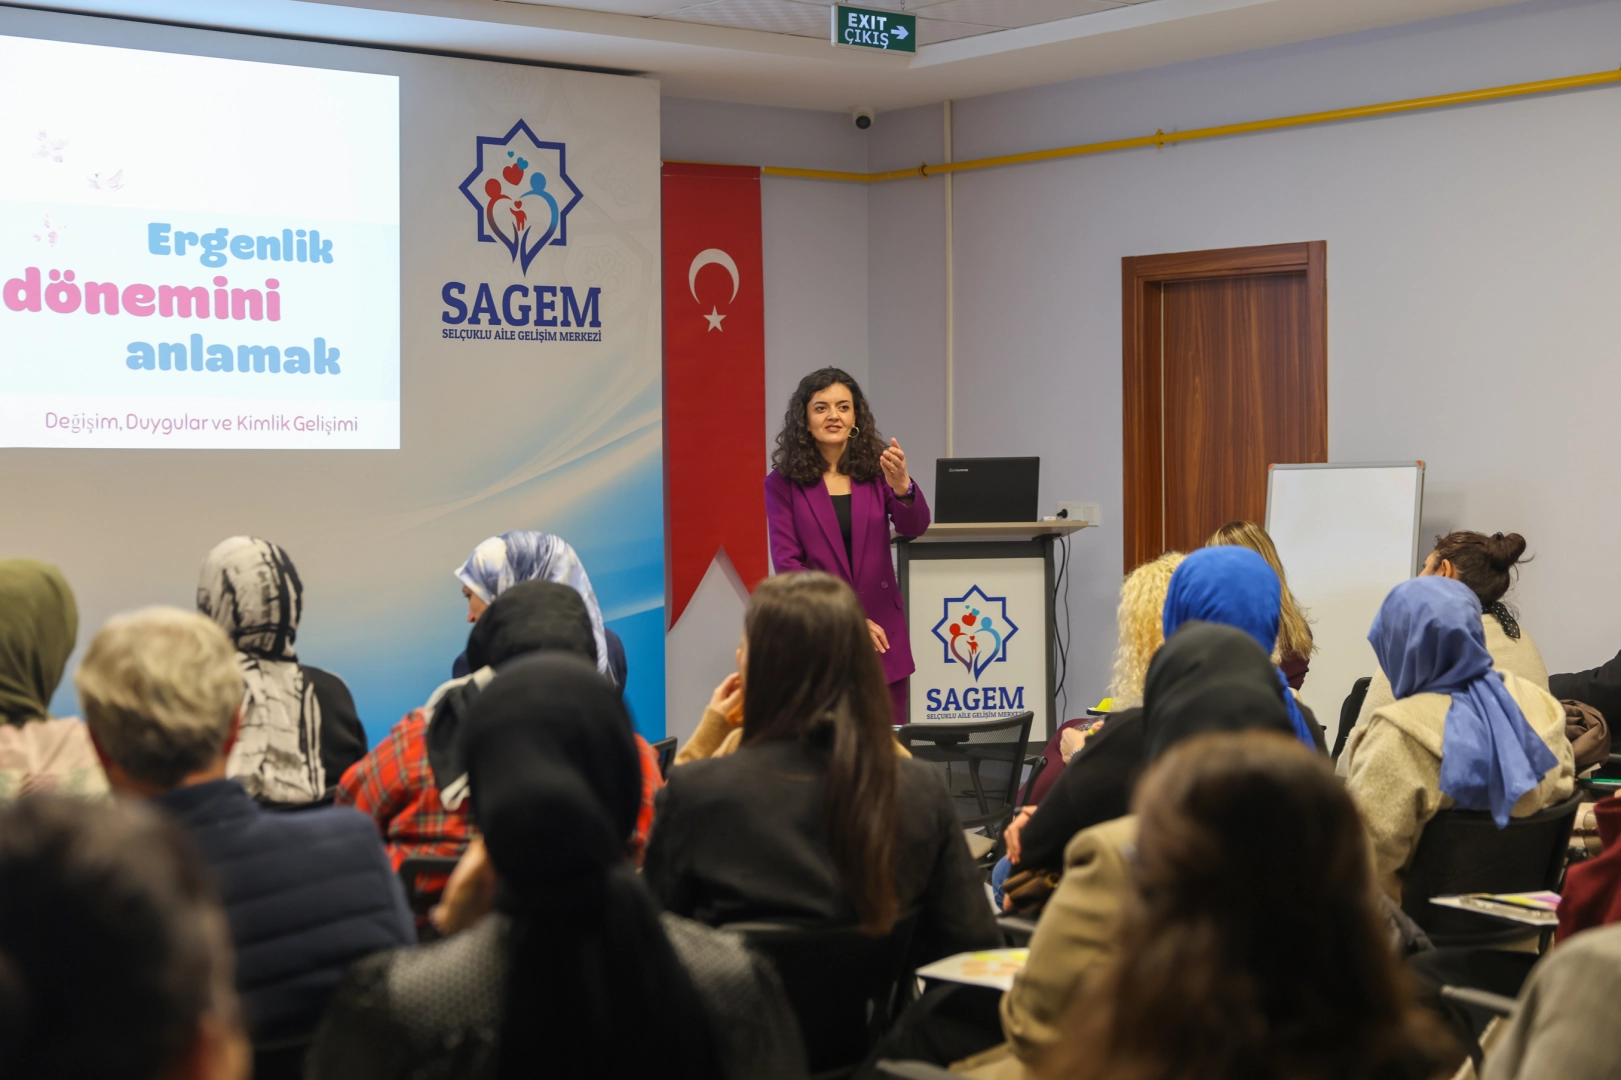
<point x="1485" y="564"/>
<point x="1206" y="678"/>
<point x="1458" y="733"/>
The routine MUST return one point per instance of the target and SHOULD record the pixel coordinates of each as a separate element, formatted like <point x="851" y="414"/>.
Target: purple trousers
<point x="898" y="698"/>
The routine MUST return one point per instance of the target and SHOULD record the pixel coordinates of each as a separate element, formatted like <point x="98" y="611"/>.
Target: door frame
<point x="1142" y="278"/>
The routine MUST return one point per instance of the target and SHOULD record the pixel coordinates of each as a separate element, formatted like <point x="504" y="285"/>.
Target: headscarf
<point x="532" y="616"/>
<point x="39" y="623"/>
<point x="251" y="589"/>
<point x="1236" y="587"/>
<point x="556" y="786"/>
<point x="1206" y="678"/>
<point x="1429" y="640"/>
<point x="525" y="555"/>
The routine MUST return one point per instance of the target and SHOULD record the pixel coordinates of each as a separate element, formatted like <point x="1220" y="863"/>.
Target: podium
<point x="980" y="608"/>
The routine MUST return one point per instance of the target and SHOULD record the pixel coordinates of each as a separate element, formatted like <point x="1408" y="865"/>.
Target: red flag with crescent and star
<point x="714" y="377"/>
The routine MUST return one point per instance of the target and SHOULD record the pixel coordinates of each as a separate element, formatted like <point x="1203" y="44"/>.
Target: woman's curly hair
<point x="797" y="456"/>
<point x="1141" y="617"/>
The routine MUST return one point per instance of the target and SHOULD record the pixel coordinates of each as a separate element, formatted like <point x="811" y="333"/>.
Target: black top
<point x="306" y="894"/>
<point x="841" y="508"/>
<point x="1599" y="687"/>
<point x="741" y="838"/>
<point x="1093" y="788"/>
<point x="343" y="737"/>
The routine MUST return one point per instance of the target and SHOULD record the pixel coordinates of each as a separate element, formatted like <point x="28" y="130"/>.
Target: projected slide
<point x="196" y="252"/>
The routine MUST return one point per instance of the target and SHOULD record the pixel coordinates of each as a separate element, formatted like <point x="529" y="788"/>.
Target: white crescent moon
<point x="703" y="259"/>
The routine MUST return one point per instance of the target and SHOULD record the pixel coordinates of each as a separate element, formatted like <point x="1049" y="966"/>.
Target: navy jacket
<point x="307" y="893"/>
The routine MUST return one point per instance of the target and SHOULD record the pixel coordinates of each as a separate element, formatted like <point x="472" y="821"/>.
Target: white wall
<point x="1471" y="266"/>
<point x="814" y="240"/>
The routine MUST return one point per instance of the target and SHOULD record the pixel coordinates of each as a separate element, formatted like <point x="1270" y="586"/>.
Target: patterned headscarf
<point x="1236" y="587"/>
<point x="250" y="588"/>
<point x="525" y="555"/>
<point x="1429" y="640"/>
<point x="38" y="624"/>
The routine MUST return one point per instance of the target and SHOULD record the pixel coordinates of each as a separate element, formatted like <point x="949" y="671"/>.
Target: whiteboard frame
<point x="1418" y="492"/>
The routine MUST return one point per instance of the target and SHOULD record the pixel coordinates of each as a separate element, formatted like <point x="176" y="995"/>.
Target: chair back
<point x="282" y="1059"/>
<point x="953" y="742"/>
<point x="424" y="878"/>
<point x="665" y="749"/>
<point x="1463" y="851"/>
<point x="846" y="987"/>
<point x="1349" y="710"/>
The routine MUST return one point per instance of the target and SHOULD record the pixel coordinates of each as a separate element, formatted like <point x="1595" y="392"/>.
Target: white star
<point x="714" y="318"/>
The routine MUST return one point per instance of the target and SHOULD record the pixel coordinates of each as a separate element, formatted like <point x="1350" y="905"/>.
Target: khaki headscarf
<point x="39" y="623"/>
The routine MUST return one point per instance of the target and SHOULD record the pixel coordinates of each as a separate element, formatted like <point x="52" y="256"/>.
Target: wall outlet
<point x="1089" y="512"/>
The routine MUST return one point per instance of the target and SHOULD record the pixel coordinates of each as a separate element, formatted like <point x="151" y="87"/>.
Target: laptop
<point x="986" y="489"/>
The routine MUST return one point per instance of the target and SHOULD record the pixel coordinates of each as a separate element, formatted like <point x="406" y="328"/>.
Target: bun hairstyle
<point x="1483" y="562"/>
<point x="796" y="455"/>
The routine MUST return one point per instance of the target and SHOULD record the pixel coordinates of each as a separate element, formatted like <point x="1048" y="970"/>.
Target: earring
<point x="854" y="432"/>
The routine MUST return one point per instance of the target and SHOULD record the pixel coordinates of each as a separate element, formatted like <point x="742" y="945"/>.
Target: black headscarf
<point x="532" y="616"/>
<point x="595" y="987"/>
<point x="1209" y="677"/>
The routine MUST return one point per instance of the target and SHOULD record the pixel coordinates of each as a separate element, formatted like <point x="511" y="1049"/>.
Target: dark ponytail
<point x="1483" y="562"/>
<point x="813" y="675"/>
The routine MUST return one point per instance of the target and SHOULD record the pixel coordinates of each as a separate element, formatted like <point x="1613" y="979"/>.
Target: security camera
<point x="863" y="116"/>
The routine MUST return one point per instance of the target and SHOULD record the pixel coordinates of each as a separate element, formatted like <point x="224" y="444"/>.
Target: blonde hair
<point x="1294" y="629"/>
<point x="1141" y="618"/>
<point x="160" y="687"/>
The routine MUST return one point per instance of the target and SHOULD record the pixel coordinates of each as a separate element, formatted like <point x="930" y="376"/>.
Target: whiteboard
<point x="1346" y="534"/>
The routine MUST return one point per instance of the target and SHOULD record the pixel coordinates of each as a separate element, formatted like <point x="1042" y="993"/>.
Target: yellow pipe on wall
<point x="1162" y="138"/>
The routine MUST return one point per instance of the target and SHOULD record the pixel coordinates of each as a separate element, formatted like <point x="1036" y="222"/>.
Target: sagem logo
<point x="521" y="189"/>
<point x="975" y="630"/>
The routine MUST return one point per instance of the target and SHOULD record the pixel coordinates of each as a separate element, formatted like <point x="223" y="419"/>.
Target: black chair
<point x="665" y="749"/>
<point x="1463" y="851"/>
<point x="846" y="987"/>
<point x="951" y="742"/>
<point x="282" y="1059"/>
<point x="1478" y="1008"/>
<point x="1349" y="708"/>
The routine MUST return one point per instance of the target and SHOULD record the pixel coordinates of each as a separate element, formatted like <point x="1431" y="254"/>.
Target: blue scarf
<point x="1233" y="586"/>
<point x="1429" y="640"/>
<point x="525" y="555"/>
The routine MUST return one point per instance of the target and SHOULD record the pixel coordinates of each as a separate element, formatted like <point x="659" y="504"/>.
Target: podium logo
<point x="521" y="189"/>
<point x="975" y="630"/>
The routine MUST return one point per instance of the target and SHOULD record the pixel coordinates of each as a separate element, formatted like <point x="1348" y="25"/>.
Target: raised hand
<point x="893" y="462"/>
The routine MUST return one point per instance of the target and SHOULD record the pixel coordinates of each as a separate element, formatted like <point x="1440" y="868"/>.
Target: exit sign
<point x="864" y="28"/>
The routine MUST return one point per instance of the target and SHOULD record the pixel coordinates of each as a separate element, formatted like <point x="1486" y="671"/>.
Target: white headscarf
<point x="525" y="555"/>
<point x="250" y="588"/>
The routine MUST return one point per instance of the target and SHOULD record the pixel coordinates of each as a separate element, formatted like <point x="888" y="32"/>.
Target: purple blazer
<point x="805" y="536"/>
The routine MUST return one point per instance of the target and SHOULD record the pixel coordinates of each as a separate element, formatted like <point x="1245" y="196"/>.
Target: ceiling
<point x="777" y="52"/>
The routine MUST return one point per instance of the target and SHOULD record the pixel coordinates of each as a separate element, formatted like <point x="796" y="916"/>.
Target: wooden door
<point x="1226" y="373"/>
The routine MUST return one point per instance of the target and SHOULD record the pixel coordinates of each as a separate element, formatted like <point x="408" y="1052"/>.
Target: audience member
<point x="1249" y="947"/>
<point x="1565" y="1026"/>
<point x="1591" y="895"/>
<point x="38" y="625"/>
<point x="1295" y="646"/>
<point x="1486" y="564"/>
<point x="1599" y="687"/>
<point x="1229" y="585"/>
<point x="306" y="893"/>
<point x="414" y="783"/>
<point x="114" y="961"/>
<point x="1206" y="678"/>
<point x="577" y="974"/>
<point x="1458" y="732"/>
<point x="526" y="555"/>
<point x="816" y="818"/>
<point x="299" y="729"/>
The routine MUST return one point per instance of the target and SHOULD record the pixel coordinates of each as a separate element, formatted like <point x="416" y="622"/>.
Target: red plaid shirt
<point x="394" y="785"/>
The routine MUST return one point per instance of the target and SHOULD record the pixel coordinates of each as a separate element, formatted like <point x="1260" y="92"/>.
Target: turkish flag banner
<point x="714" y="377"/>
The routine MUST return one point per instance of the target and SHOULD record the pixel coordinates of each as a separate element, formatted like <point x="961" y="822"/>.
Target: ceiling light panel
<point x="767" y="16"/>
<point x="1006" y="14"/>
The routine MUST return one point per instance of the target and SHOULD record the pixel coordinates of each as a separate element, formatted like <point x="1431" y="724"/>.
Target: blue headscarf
<point x="526" y="555"/>
<point x="1236" y="587"/>
<point x="1429" y="640"/>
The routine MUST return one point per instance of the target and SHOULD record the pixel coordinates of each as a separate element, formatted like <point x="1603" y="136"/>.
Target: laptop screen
<point x="986" y="489"/>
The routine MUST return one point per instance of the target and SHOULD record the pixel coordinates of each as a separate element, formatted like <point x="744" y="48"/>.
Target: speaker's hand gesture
<point x="894" y="465"/>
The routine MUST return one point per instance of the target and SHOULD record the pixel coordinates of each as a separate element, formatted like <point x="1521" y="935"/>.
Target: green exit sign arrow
<point x="884" y="31"/>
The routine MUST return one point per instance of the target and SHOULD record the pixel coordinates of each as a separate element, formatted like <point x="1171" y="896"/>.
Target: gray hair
<point x="160" y="687"/>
